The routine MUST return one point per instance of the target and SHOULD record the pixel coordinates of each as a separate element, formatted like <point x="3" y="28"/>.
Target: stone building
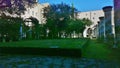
<point x="37" y="12"/>
<point x="94" y="17"/>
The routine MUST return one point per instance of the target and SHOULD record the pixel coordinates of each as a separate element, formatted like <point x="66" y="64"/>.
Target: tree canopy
<point x="57" y="11"/>
<point x="15" y="6"/>
<point x="9" y="27"/>
<point x="61" y="22"/>
<point x="87" y="22"/>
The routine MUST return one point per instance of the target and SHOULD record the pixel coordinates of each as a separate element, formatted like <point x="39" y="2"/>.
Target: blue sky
<point x="83" y="5"/>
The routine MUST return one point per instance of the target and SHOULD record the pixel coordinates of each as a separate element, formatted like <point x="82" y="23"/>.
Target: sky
<point x="83" y="5"/>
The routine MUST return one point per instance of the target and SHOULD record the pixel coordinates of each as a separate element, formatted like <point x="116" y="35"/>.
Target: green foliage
<point x="87" y="21"/>
<point x="9" y="28"/>
<point x="15" y="6"/>
<point x="68" y="26"/>
<point x="58" y="11"/>
<point x="59" y="21"/>
<point x="57" y="17"/>
<point x="79" y="26"/>
<point x="76" y="26"/>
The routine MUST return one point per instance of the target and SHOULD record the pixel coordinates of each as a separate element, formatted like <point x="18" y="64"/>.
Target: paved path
<point x="53" y="62"/>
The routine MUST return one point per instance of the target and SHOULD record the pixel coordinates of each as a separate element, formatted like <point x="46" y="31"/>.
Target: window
<point x="28" y="11"/>
<point x="36" y="13"/>
<point x="32" y="12"/>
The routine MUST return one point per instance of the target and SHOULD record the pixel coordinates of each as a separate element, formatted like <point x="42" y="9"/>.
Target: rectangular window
<point x="33" y="13"/>
<point x="28" y="11"/>
<point x="36" y="13"/>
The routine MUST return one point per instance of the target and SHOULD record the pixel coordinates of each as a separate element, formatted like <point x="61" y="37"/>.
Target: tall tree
<point x="9" y="27"/>
<point x="58" y="15"/>
<point x="57" y="11"/>
<point x="75" y="26"/>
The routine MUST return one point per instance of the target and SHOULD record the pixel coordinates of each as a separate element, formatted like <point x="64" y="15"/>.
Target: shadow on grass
<point x="41" y="51"/>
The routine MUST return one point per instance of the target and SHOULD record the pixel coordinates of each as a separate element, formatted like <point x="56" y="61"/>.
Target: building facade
<point x="94" y="17"/>
<point x="37" y="12"/>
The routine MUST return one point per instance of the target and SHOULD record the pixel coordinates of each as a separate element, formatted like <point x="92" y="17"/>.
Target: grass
<point x="97" y="51"/>
<point x="115" y="53"/>
<point x="50" y="47"/>
<point x="94" y="49"/>
<point x="55" y="43"/>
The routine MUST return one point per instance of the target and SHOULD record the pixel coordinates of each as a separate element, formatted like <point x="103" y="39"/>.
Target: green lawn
<point x="96" y="50"/>
<point x="99" y="50"/>
<point x="55" y="43"/>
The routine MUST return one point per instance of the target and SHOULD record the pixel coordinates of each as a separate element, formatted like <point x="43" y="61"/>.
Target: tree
<point x="51" y="26"/>
<point x="80" y="26"/>
<point x="58" y="11"/>
<point x="9" y="28"/>
<point x="75" y="26"/>
<point x="15" y="6"/>
<point x="87" y="22"/>
<point x="57" y="16"/>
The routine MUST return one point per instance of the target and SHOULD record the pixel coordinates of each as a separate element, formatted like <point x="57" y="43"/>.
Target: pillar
<point x="108" y="23"/>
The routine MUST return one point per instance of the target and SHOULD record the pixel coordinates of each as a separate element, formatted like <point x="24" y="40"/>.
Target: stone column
<point x="108" y="23"/>
<point x="102" y="27"/>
